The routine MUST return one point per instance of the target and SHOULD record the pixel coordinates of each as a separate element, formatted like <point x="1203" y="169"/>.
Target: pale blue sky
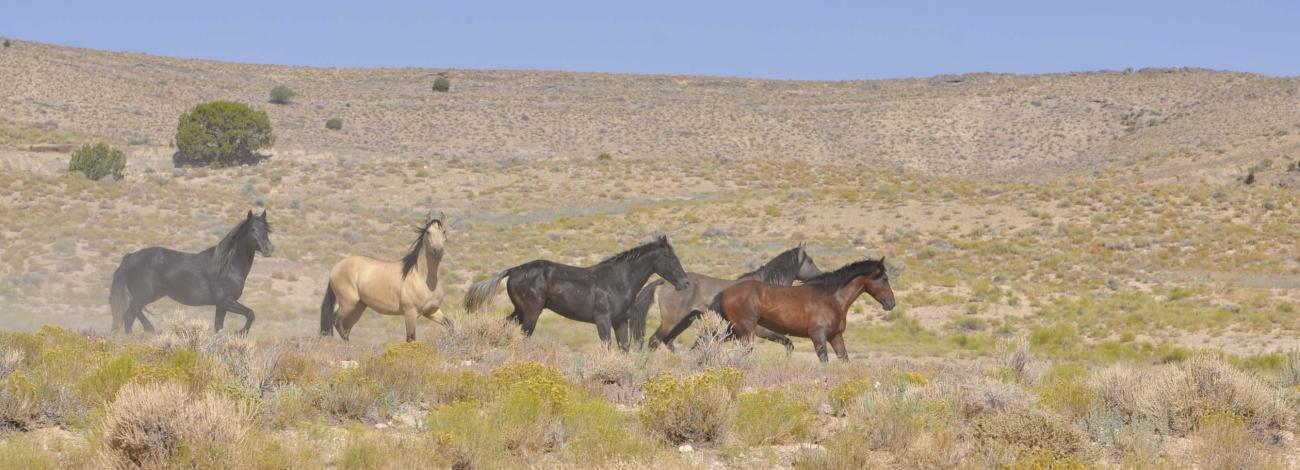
<point x="788" y="39"/>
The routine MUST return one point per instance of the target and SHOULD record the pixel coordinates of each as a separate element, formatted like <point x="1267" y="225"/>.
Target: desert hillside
<point x="1004" y="126"/>
<point x="1084" y="277"/>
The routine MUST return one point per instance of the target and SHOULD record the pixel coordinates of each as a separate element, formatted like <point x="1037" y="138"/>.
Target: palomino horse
<point x="214" y="276"/>
<point x="676" y="306"/>
<point x="407" y="287"/>
<point x="816" y="310"/>
<point x="600" y="294"/>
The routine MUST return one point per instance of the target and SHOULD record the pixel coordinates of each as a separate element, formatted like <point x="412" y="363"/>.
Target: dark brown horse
<point x="816" y="310"/>
<point x="678" y="308"/>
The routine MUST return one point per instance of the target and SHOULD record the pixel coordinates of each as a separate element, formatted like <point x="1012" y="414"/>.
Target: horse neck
<point x="426" y="266"/>
<point x="773" y="271"/>
<point x="241" y="262"/>
<point x="635" y="272"/>
<point x="849" y="293"/>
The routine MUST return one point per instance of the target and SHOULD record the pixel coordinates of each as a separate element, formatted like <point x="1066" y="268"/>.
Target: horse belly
<point x="784" y="328"/>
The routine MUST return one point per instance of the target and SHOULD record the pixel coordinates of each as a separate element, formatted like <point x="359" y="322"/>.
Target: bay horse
<point x="214" y="276"/>
<point x="600" y="294"/>
<point x="676" y="306"/>
<point x="816" y="310"/>
<point x="407" y="287"/>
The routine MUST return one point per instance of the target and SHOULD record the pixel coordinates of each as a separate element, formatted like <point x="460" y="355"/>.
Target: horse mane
<point x="834" y="280"/>
<point x="780" y="270"/>
<point x="225" y="249"/>
<point x="413" y="255"/>
<point x="659" y="241"/>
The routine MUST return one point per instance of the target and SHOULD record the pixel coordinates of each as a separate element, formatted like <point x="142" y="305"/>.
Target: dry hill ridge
<point x="1203" y="123"/>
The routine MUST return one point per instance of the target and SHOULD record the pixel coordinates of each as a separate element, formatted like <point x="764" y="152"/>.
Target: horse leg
<point x="676" y="329"/>
<point x="603" y="327"/>
<point x="438" y="317"/>
<point x="527" y="316"/>
<point x="818" y="338"/>
<point x="838" y="344"/>
<point x="410" y="324"/>
<point x="343" y="324"/>
<point x="776" y="338"/>
<point x="144" y="322"/>
<point x="621" y="331"/>
<point x="132" y="313"/>
<point x="219" y="321"/>
<point x="235" y="306"/>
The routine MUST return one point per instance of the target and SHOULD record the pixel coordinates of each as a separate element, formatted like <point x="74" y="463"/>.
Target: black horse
<point x="214" y="276"/>
<point x="600" y="294"/>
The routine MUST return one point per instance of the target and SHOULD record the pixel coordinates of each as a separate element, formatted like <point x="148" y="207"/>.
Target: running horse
<point x="602" y="294"/>
<point x="678" y="308"/>
<point x="214" y="276"/>
<point x="816" y="310"/>
<point x="408" y="287"/>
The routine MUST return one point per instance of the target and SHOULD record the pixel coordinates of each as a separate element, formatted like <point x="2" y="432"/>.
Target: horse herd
<point x="612" y="294"/>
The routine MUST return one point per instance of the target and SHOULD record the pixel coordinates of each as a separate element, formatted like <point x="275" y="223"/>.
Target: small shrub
<point x="222" y="133"/>
<point x="1176" y="396"/>
<point x="475" y="335"/>
<point x="843" y="451"/>
<point x="602" y="434"/>
<point x="689" y="409"/>
<point x="847" y="395"/>
<point x="8" y="44"/>
<point x="463" y="435"/>
<point x="16" y="452"/>
<point x="1030" y="433"/>
<point x="464" y="385"/>
<point x="713" y="350"/>
<point x="334" y="124"/>
<point x="769" y="417"/>
<point x="282" y="94"/>
<point x="162" y="426"/>
<point x="97" y="161"/>
<point x="1223" y="441"/>
<point x="604" y="157"/>
<point x="441" y="85"/>
<point x="607" y="366"/>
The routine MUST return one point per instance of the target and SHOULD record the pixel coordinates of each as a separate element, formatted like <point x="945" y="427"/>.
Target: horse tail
<point x="327" y="311"/>
<point x="119" y="297"/>
<point x="641" y="309"/>
<point x="481" y="292"/>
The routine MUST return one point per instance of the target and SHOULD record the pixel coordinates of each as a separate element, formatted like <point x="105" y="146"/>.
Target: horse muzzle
<point x="889" y="304"/>
<point x="267" y="250"/>
<point x="686" y="284"/>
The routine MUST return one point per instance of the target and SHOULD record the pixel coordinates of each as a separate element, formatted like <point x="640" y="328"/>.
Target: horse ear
<point x="263" y="216"/>
<point x="441" y="216"/>
<point x="250" y="213"/>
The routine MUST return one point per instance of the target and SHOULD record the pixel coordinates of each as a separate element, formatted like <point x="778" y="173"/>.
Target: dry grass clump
<point x="601" y="365"/>
<point x="1223" y="441"/>
<point x="1032" y="436"/>
<point x="403" y="373"/>
<point x="1177" y="396"/>
<point x="713" y="349"/>
<point x="476" y="335"/>
<point x="694" y="408"/>
<point x="162" y="425"/>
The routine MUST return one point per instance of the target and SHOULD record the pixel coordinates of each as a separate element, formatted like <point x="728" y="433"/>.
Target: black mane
<point x="836" y="279"/>
<point x="408" y="261"/>
<point x="659" y="242"/>
<point x="229" y="244"/>
<point x="780" y="270"/>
